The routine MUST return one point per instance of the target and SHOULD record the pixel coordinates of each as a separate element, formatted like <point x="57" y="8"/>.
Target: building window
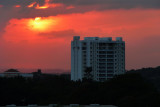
<point x="83" y="48"/>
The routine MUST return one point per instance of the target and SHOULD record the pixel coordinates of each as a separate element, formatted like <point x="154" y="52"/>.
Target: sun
<point x="40" y="24"/>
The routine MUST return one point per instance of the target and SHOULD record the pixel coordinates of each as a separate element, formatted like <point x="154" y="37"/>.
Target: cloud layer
<point x="110" y="4"/>
<point x="51" y="48"/>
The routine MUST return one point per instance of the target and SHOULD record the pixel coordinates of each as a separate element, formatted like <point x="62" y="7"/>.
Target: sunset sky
<point x="37" y="33"/>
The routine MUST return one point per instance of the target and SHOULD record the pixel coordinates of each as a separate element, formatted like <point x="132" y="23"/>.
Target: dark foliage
<point x="150" y="74"/>
<point x="129" y="90"/>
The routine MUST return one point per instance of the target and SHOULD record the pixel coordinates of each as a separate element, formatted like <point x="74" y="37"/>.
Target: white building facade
<point x="105" y="56"/>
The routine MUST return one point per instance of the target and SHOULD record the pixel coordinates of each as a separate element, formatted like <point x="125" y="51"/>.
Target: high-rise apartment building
<point x="105" y="57"/>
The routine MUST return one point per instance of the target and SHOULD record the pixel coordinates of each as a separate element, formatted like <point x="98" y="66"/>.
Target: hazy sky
<point x="37" y="33"/>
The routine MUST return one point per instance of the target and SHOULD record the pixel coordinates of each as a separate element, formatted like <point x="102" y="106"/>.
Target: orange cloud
<point x="53" y="35"/>
<point x="114" y="22"/>
<point x="28" y="29"/>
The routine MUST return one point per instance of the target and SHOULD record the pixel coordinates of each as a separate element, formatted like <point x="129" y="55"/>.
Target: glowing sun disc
<point x="40" y="24"/>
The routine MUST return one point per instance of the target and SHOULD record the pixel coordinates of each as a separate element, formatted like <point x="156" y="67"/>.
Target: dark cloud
<point x="114" y="4"/>
<point x="9" y="3"/>
<point x="109" y="4"/>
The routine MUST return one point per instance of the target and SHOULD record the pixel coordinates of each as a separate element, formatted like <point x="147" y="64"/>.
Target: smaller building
<point x="11" y="73"/>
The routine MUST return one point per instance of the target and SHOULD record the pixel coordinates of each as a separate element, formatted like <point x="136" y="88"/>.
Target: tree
<point x="88" y="74"/>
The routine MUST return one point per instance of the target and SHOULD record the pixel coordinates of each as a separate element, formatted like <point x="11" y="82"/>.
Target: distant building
<point x="15" y="73"/>
<point x="37" y="74"/>
<point x="104" y="56"/>
<point x="11" y="73"/>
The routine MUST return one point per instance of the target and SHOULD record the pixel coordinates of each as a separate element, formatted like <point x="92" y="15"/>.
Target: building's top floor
<point x="108" y="39"/>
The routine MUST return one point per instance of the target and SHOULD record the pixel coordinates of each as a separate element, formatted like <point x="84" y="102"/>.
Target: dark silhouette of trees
<point x="150" y="74"/>
<point x="128" y="90"/>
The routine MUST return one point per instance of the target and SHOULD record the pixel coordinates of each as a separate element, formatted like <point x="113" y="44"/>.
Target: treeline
<point x="150" y="74"/>
<point x="129" y="90"/>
